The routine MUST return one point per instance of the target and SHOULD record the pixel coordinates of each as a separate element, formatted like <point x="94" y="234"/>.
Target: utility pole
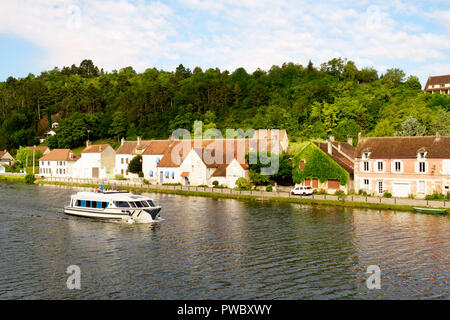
<point x="34" y="153"/>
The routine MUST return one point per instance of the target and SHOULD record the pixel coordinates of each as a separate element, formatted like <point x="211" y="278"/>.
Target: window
<point x="365" y="166"/>
<point x="397" y="166"/>
<point x="104" y="205"/>
<point x="121" y="171"/>
<point x="127" y="160"/>
<point x="88" y="204"/>
<point x="422" y="167"/>
<point x="121" y="204"/>
<point x="173" y="175"/>
<point x="366" y="184"/>
<point x="150" y="203"/>
<point x="365" y="155"/>
<point x="380" y="187"/>
<point x="150" y="173"/>
<point x="380" y="166"/>
<point x="121" y="160"/>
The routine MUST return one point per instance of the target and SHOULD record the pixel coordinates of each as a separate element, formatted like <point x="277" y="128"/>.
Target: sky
<point x="37" y="35"/>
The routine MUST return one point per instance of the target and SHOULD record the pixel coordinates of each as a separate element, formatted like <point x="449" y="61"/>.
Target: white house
<point x="151" y="156"/>
<point x="58" y="163"/>
<point x="127" y="151"/>
<point x="97" y="161"/>
<point x="2" y="168"/>
<point x="201" y="162"/>
<point x="6" y="158"/>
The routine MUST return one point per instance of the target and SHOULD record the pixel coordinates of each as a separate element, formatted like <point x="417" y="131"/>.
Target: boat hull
<point x="430" y="210"/>
<point x="146" y="215"/>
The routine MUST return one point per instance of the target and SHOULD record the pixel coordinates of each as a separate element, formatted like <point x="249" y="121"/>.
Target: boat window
<point x="104" y="205"/>
<point x="99" y="204"/>
<point x="121" y="204"/>
<point x="150" y="203"/>
<point x="132" y="205"/>
<point x="139" y="204"/>
<point x="88" y="203"/>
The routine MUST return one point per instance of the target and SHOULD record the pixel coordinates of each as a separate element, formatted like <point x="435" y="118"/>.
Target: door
<point x="186" y="181"/>
<point x="161" y="177"/>
<point x="401" y="190"/>
<point x="95" y="172"/>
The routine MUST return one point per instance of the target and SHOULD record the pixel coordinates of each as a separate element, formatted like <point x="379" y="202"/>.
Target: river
<point x="219" y="249"/>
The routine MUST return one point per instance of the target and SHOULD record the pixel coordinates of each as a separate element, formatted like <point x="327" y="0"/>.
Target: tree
<point x="119" y="125"/>
<point x="396" y="76"/>
<point x="25" y="156"/>
<point x="135" y="165"/>
<point x="411" y="127"/>
<point x="347" y="128"/>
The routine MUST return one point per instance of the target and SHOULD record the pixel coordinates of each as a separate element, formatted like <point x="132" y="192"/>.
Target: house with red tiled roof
<point x="127" y="151"/>
<point x="97" y="161"/>
<point x="58" y="163"/>
<point x="201" y="162"/>
<point x="440" y="84"/>
<point x="152" y="155"/>
<point x="403" y="166"/>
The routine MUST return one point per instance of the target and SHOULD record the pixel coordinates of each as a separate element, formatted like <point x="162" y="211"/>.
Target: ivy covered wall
<point x="317" y="165"/>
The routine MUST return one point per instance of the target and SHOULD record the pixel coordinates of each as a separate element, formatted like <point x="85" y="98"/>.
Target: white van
<point x="302" y="191"/>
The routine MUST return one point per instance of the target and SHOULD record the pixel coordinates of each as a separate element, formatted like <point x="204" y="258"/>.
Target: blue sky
<point x="37" y="35"/>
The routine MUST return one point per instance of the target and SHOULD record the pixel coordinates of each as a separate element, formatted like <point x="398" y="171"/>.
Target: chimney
<point x="138" y="140"/>
<point x="332" y="138"/>
<point x="350" y="141"/>
<point x="122" y="141"/>
<point x="70" y="155"/>
<point x="330" y="147"/>
<point x="438" y="136"/>
<point x="88" y="143"/>
<point x="359" y="136"/>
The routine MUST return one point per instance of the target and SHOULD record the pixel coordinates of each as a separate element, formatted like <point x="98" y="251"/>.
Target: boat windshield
<point x="150" y="203"/>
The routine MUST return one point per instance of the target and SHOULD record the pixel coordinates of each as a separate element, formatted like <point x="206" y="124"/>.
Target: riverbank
<point x="319" y="200"/>
<point x="253" y="195"/>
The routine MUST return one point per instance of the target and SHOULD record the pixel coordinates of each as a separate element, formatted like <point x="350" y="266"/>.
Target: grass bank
<point x="14" y="179"/>
<point x="347" y="204"/>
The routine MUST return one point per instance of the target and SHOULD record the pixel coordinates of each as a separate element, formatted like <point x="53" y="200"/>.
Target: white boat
<point x="113" y="205"/>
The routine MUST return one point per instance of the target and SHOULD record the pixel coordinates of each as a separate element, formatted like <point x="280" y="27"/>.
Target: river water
<point x="219" y="249"/>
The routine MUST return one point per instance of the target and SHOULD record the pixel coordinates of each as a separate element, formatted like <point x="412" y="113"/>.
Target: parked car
<point x="302" y="191"/>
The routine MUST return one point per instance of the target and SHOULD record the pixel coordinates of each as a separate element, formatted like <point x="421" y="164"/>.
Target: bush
<point x="145" y="181"/>
<point x="29" y="178"/>
<point x="362" y="193"/>
<point x="243" y="184"/>
<point x="435" y="196"/>
<point x="321" y="191"/>
<point x="215" y="183"/>
<point x="203" y="186"/>
<point x="172" y="184"/>
<point x="269" y="188"/>
<point x="387" y="195"/>
<point x="119" y="177"/>
<point x="411" y="196"/>
<point x="141" y="174"/>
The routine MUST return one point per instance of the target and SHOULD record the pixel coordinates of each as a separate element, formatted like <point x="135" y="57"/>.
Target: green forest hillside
<point x="309" y="102"/>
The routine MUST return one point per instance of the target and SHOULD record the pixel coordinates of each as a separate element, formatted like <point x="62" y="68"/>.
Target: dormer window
<point x="366" y="155"/>
<point x="421" y="155"/>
